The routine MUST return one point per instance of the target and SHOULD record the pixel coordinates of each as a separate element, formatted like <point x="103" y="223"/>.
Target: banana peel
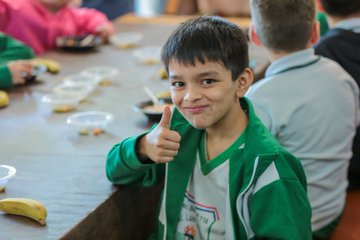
<point x="25" y="207"/>
<point x="51" y="65"/>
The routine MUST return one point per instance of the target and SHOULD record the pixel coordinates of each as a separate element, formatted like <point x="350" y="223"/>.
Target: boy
<point x="226" y="177"/>
<point x="308" y="102"/>
<point x="342" y="44"/>
<point x="11" y="70"/>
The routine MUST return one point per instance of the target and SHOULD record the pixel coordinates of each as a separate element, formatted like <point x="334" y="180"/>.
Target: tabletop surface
<point x="57" y="166"/>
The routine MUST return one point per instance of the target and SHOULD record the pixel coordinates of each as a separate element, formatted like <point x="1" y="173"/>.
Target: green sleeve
<point x="11" y="49"/>
<point x="5" y="77"/>
<point x="286" y="212"/>
<point x="123" y="166"/>
<point x="284" y="215"/>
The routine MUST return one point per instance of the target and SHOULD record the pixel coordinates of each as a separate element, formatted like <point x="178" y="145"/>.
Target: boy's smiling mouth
<point x="195" y="109"/>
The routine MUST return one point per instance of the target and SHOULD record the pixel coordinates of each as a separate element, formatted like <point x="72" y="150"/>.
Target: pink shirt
<point x="30" y="22"/>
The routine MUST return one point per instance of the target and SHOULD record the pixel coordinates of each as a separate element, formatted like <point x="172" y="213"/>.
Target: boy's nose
<point x="192" y="94"/>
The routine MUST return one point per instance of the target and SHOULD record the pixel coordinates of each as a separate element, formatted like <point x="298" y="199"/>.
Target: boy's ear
<point x="315" y="33"/>
<point x="254" y="38"/>
<point x="243" y="82"/>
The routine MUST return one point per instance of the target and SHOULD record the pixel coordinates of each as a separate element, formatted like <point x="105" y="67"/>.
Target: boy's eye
<point x="177" y="84"/>
<point x="208" y="81"/>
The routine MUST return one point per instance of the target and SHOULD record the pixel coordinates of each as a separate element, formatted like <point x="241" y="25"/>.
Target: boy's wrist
<point x="140" y="153"/>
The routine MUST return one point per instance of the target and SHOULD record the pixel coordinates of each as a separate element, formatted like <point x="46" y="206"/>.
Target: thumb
<point x="166" y="116"/>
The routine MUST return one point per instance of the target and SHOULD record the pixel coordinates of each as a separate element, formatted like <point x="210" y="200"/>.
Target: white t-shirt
<point x="203" y="211"/>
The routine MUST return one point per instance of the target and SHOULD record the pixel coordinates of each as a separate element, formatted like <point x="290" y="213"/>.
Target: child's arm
<point x="124" y="167"/>
<point x="14" y="73"/>
<point x="105" y="30"/>
<point x="125" y="162"/>
<point x="93" y="21"/>
<point x="11" y="71"/>
<point x="11" y="49"/>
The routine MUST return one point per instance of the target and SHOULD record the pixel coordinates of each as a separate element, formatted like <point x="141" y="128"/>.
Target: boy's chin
<point x="197" y="124"/>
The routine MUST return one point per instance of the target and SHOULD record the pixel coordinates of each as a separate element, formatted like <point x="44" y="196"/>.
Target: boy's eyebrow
<point x="200" y="75"/>
<point x="208" y="73"/>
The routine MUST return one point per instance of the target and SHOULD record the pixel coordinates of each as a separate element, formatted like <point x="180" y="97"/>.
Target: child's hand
<point x="19" y="70"/>
<point x="105" y="31"/>
<point x="161" y="145"/>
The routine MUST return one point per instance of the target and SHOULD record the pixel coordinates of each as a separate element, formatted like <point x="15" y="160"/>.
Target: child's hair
<point x="208" y="38"/>
<point x="283" y="25"/>
<point x="341" y="8"/>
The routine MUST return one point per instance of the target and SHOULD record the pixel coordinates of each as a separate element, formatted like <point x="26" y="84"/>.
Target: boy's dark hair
<point x="341" y="8"/>
<point x="283" y="25"/>
<point x="208" y="38"/>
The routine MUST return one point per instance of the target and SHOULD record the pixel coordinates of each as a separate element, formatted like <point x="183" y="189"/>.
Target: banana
<point x="52" y="65"/>
<point x="163" y="74"/>
<point x="4" y="99"/>
<point x="25" y="207"/>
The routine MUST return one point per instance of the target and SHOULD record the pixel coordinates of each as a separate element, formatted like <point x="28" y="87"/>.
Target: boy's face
<point x="205" y="94"/>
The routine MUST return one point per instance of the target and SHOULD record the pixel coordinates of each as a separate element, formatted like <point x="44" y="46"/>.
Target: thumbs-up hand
<point x="162" y="144"/>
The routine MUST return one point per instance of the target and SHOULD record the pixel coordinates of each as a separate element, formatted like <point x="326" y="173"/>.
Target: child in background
<point x="38" y="23"/>
<point x="226" y="177"/>
<point x="308" y="102"/>
<point x="13" y="67"/>
<point x="342" y="44"/>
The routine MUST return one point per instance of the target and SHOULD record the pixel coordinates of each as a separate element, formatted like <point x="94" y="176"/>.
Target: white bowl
<point x="148" y="55"/>
<point x="104" y="72"/>
<point x="83" y="78"/>
<point x="90" y="122"/>
<point x="80" y="89"/>
<point x="62" y="102"/>
<point x="6" y="172"/>
<point x="126" y="39"/>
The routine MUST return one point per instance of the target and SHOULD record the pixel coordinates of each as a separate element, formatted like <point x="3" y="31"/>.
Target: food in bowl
<point x="78" y="43"/>
<point x="6" y="172"/>
<point x="75" y="88"/>
<point x="94" y="122"/>
<point x="126" y="40"/>
<point x="92" y="80"/>
<point x="148" y="55"/>
<point x="62" y="103"/>
<point x="164" y="96"/>
<point x="151" y="111"/>
<point x="105" y="73"/>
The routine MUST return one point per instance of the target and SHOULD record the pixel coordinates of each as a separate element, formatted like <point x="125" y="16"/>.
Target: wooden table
<point x="66" y="171"/>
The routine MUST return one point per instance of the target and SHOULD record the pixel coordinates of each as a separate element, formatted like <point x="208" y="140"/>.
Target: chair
<point x="349" y="228"/>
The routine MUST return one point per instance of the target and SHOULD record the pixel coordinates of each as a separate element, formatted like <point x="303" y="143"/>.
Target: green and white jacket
<point x="267" y="197"/>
